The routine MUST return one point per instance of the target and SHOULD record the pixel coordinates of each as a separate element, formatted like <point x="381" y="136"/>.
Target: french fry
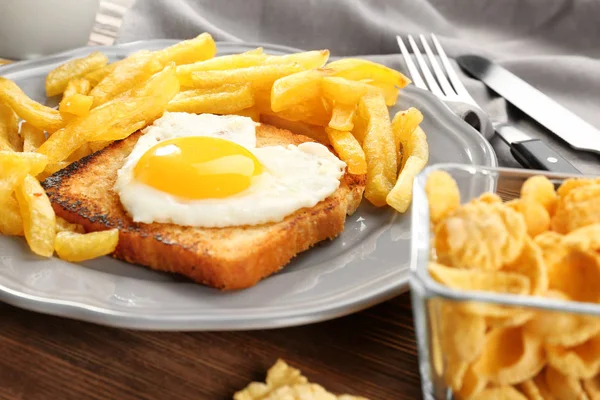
<point x="14" y="166"/>
<point x="115" y="119"/>
<point x="52" y="169"/>
<point x="9" y="129"/>
<point x="349" y="150"/>
<point x="342" y="117"/>
<point x="77" y="86"/>
<point x="390" y="92"/>
<point x="251" y="112"/>
<point x="200" y="48"/>
<point x="415" y="160"/>
<point x="99" y="144"/>
<point x="296" y="88"/>
<point x="132" y="71"/>
<point x="223" y="100"/>
<point x="404" y="124"/>
<point x="313" y="112"/>
<point x="343" y="91"/>
<point x="357" y="70"/>
<point x="39" y="220"/>
<point x="38" y="115"/>
<point x="58" y="79"/>
<point x="97" y="75"/>
<point x="233" y="61"/>
<point x="261" y="77"/>
<point x="300" y="128"/>
<point x="65" y="226"/>
<point x="76" y="247"/>
<point x="81" y="152"/>
<point x="77" y="105"/>
<point x="308" y="59"/>
<point x="378" y="145"/>
<point x="32" y="137"/>
<point x="11" y="222"/>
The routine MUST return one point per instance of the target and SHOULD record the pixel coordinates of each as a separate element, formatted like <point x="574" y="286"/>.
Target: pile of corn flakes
<point x="546" y="244"/>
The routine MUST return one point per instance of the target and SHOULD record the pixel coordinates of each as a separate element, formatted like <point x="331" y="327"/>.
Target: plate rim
<point x="389" y="285"/>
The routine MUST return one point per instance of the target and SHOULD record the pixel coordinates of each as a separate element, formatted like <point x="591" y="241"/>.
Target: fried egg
<point x="206" y="171"/>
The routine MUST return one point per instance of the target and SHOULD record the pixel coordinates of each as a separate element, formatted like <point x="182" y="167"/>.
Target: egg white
<point x="293" y="177"/>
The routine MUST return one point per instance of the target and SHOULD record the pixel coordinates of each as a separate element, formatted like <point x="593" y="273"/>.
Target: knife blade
<point x="533" y="153"/>
<point x="578" y="133"/>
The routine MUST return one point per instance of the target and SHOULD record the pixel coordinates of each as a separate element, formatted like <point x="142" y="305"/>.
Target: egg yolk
<point x="198" y="167"/>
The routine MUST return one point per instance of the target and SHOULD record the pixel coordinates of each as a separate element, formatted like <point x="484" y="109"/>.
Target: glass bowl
<point x="428" y="295"/>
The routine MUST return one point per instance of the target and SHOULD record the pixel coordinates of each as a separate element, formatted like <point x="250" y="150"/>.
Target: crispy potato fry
<point x="296" y="88"/>
<point x="349" y="150"/>
<point x="404" y="124"/>
<point x="32" y="137"/>
<point x="359" y="69"/>
<point x="312" y="112"/>
<point x="222" y="100"/>
<point x="52" y="169"/>
<point x="500" y="393"/>
<point x="342" y="117"/>
<point x="11" y="222"/>
<point x="200" y="48"/>
<point x="81" y="152"/>
<point x="58" y="79"/>
<point x="9" y="129"/>
<point x="378" y="145"/>
<point x="308" y="59"/>
<point x="251" y="112"/>
<point x="76" y="247"/>
<point x="116" y="119"/>
<point x="443" y="195"/>
<point x="15" y="166"/>
<point x="97" y="75"/>
<point x="38" y="115"/>
<point x="39" y="221"/>
<point x="480" y="236"/>
<point x="100" y="144"/>
<point x="77" y="105"/>
<point x="233" y="61"/>
<point x="510" y="355"/>
<point x="390" y="92"/>
<point x="343" y="91"/>
<point x="414" y="159"/>
<point x="128" y="73"/>
<point x="492" y="281"/>
<point x="564" y="387"/>
<point x="261" y="77"/>
<point x="77" y="86"/>
<point x="301" y="128"/>
<point x="65" y="226"/>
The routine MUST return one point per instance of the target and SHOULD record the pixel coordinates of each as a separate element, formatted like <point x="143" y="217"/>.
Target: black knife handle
<point x="536" y="154"/>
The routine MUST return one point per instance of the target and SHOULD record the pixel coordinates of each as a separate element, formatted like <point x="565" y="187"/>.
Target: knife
<point x="563" y="123"/>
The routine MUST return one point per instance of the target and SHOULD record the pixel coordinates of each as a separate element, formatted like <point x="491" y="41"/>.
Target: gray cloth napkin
<point x="552" y="44"/>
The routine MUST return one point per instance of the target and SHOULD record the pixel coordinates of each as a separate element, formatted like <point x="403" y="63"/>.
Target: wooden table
<point x="372" y="353"/>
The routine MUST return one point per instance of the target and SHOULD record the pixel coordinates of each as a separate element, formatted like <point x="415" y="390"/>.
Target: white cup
<point x="32" y="28"/>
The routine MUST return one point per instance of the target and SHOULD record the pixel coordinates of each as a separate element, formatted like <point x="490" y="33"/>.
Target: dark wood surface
<point x="371" y="353"/>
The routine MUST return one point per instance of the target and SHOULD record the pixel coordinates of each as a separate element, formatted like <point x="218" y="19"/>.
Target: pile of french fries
<point x="342" y="103"/>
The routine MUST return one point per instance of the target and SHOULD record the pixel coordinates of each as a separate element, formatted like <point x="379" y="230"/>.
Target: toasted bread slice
<point x="225" y="258"/>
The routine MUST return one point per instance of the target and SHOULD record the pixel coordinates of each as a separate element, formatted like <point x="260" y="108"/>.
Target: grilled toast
<point x="224" y="258"/>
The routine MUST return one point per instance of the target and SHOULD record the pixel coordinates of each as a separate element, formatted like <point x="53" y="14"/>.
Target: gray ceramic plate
<point x="367" y="264"/>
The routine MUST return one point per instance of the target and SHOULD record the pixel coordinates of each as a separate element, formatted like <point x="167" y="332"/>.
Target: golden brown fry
<point x="403" y="125"/>
<point x="117" y="118"/>
<point x="76" y="247"/>
<point x="200" y="48"/>
<point x="343" y="91"/>
<point x="223" y="100"/>
<point x="415" y="160"/>
<point x="251" y="112"/>
<point x="11" y="222"/>
<point x="81" y="152"/>
<point x="58" y="79"/>
<point x="96" y="76"/>
<point x="261" y="77"/>
<point x="313" y="112"/>
<point x="233" y="61"/>
<point x="342" y="117"/>
<point x="308" y="59"/>
<point x="36" y="114"/>
<point x="39" y="221"/>
<point x="77" y="86"/>
<point x="349" y="150"/>
<point x="9" y="129"/>
<point x="15" y="165"/>
<point x="390" y="92"/>
<point x="77" y="105"/>
<point x="378" y="145"/>
<point x="296" y="88"/>
<point x="128" y="73"/>
<point x="32" y="137"/>
<point x="65" y="226"/>
<point x="99" y="145"/>
<point x="359" y="69"/>
<point x="52" y="169"/>
<point x="301" y="128"/>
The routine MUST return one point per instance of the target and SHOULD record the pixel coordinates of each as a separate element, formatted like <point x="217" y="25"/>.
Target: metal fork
<point x="448" y="86"/>
<point x="529" y="152"/>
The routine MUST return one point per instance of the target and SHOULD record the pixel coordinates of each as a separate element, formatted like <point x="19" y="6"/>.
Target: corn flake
<point x="578" y="208"/>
